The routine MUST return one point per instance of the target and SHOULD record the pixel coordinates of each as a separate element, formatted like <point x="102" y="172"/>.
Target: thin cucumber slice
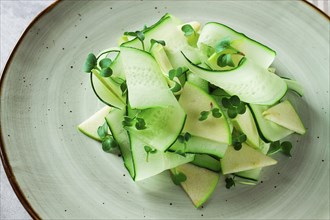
<point x="268" y="130"/>
<point x="166" y="29"/>
<point x="114" y="120"/>
<point x="158" y="52"/>
<point x="149" y="165"/>
<point x="107" y="91"/>
<point x="116" y="65"/>
<point x="200" y="145"/>
<point x="163" y="125"/>
<point x="212" y="33"/>
<point x="294" y="86"/>
<point x="206" y="161"/>
<point x="200" y="182"/>
<point x="250" y="82"/>
<point x="89" y="127"/>
<point x="194" y="100"/>
<point x="193" y="38"/>
<point x="286" y="116"/>
<point x="246" y="158"/>
<point x="165" y="65"/>
<point x="145" y="82"/>
<point x="197" y="81"/>
<point x="253" y="174"/>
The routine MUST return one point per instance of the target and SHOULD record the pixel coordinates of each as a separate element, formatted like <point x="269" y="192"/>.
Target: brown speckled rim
<point x="5" y="161"/>
<point x="4" y="158"/>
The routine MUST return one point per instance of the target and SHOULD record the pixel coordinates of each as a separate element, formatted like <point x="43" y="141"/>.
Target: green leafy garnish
<point x="238" y="138"/>
<point x="108" y="144"/>
<point x="176" y="88"/>
<point x="230" y="182"/>
<point x="138" y="34"/>
<point x="187" y="136"/>
<point x="225" y="60"/>
<point x="225" y="50"/>
<point x="175" y="73"/>
<point x="139" y="123"/>
<point x="90" y="63"/>
<point x="123" y="88"/>
<point x="183" y="139"/>
<point x="234" y="106"/>
<point x="178" y="178"/>
<point x="214" y="111"/>
<point x="102" y="131"/>
<point x="105" y="62"/>
<point x="149" y="150"/>
<point x="188" y="30"/>
<point x="106" y="72"/>
<point x="128" y="122"/>
<point x="224" y="44"/>
<point x="284" y="147"/>
<point x="153" y="42"/>
<point x="203" y="115"/>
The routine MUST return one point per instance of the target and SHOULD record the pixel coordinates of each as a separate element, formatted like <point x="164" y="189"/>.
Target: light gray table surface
<point x="15" y="16"/>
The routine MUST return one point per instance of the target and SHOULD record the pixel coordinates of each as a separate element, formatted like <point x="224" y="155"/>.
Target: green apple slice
<point x="246" y="158"/>
<point x="200" y="182"/>
<point x="89" y="127"/>
<point x="285" y="115"/>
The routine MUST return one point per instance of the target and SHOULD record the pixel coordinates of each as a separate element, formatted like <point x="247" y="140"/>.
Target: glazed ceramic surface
<point x="63" y="174"/>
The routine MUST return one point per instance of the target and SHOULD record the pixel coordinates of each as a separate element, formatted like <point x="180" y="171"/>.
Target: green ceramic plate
<point x="59" y="173"/>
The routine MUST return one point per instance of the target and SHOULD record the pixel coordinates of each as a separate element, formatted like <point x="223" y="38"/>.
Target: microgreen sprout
<point x="225" y="60"/>
<point x="226" y="51"/>
<point x="90" y="63"/>
<point x="139" y="35"/>
<point x="188" y="30"/>
<point x="108" y="142"/>
<point x="284" y="147"/>
<point x="102" y="130"/>
<point x="153" y="42"/>
<point x="123" y="88"/>
<point x="149" y="150"/>
<point x="203" y="115"/>
<point x="215" y="112"/>
<point x="175" y="73"/>
<point x="139" y="123"/>
<point x="105" y="63"/>
<point x="234" y="106"/>
<point x="238" y="138"/>
<point x="183" y="139"/>
<point x="230" y="182"/>
<point x="178" y="177"/>
<point x="176" y="88"/>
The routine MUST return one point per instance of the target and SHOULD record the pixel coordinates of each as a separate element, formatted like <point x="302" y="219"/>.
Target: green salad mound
<point x="200" y="101"/>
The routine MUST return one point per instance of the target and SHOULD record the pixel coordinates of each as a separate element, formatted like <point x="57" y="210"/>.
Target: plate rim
<point x="4" y="158"/>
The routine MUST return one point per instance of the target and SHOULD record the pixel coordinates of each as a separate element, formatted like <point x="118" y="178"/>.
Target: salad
<point x="201" y="102"/>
